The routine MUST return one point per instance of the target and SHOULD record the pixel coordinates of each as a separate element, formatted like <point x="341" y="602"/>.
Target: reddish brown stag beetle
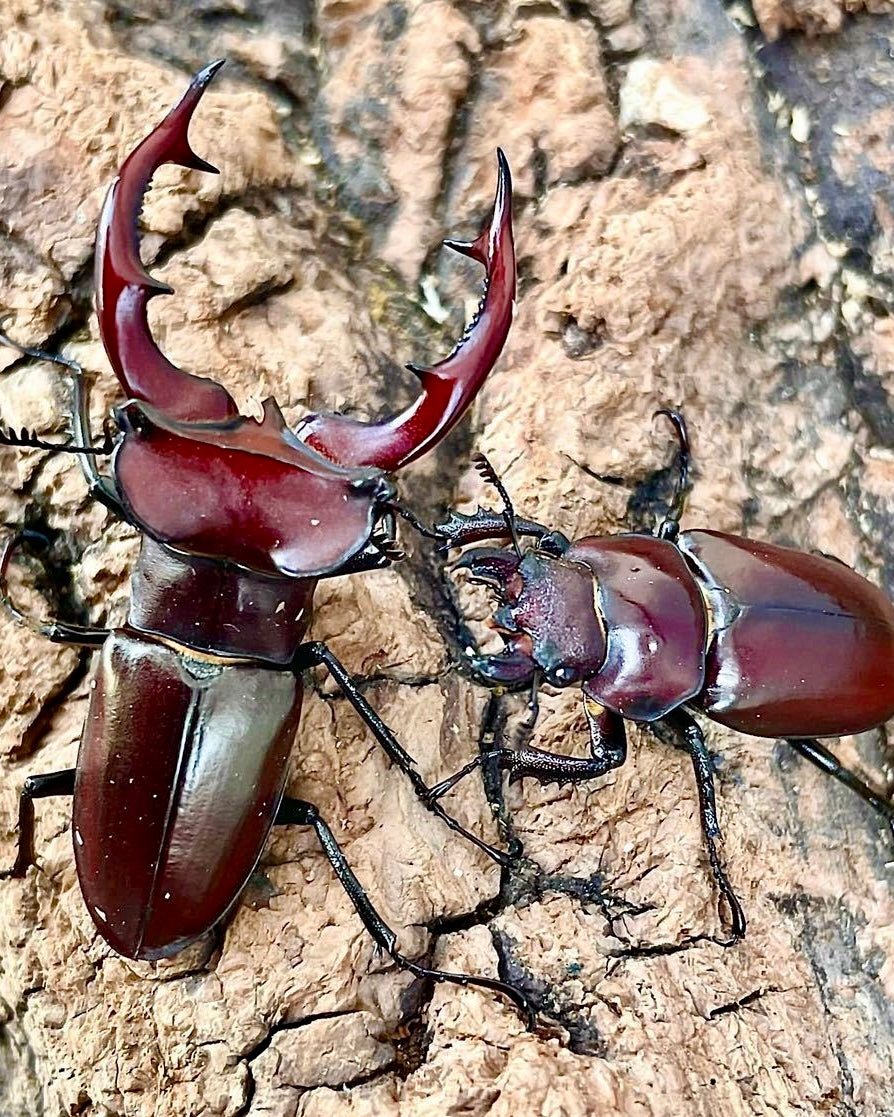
<point x="654" y="628"/>
<point x="196" y="699"/>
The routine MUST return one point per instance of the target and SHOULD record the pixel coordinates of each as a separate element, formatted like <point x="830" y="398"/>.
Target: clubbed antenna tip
<point x="489" y="474"/>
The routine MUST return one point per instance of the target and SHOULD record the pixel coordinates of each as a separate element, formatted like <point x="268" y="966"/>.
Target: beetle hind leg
<point x="35" y="787"/>
<point x="300" y="813"/>
<point x="827" y="762"/>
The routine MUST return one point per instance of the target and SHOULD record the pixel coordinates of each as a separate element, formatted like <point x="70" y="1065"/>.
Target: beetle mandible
<point x="762" y="638"/>
<point x="239" y="519"/>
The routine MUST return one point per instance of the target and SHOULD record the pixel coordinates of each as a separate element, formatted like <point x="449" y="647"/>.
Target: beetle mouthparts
<point x="491" y="566"/>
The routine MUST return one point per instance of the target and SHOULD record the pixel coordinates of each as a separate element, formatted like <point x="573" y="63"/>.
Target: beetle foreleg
<point x="459" y="529"/>
<point x="35" y="787"/>
<point x="827" y="762"/>
<point x="58" y="632"/>
<point x="100" y="488"/>
<point x="371" y="559"/>
<point x="608" y="750"/>
<point x="317" y="654"/>
<point x="691" y="739"/>
<point x="669" y="528"/>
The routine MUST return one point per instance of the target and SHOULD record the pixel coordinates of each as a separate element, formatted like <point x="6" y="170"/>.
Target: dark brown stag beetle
<point x="196" y="699"/>
<point x="655" y="628"/>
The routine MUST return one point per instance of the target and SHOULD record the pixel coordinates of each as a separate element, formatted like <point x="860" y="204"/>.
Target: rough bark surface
<point x="705" y="220"/>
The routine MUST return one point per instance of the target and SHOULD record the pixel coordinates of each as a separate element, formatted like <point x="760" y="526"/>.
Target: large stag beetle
<point x="196" y="697"/>
<point x="655" y="628"/>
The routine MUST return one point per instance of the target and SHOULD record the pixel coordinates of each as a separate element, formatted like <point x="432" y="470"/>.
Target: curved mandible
<point x="124" y="287"/>
<point x="449" y="386"/>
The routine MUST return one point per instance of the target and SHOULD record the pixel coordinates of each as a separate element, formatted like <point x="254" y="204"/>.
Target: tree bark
<point x="704" y="217"/>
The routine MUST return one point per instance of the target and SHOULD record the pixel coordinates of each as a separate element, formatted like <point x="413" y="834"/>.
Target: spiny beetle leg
<point x="101" y="488"/>
<point x="827" y="762"/>
<point x="691" y="740"/>
<point x="58" y="632"/>
<point x="608" y="748"/>
<point x="35" y="787"/>
<point x="317" y="654"/>
<point x="459" y="529"/>
<point x="300" y="813"/>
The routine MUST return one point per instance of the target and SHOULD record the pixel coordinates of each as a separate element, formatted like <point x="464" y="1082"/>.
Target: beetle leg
<point x="608" y="750"/>
<point x="317" y="654"/>
<point x="101" y="488"/>
<point x="827" y="762"/>
<point x="459" y="529"/>
<point x="691" y="739"/>
<point x="372" y="559"/>
<point x="297" y="812"/>
<point x="669" y="528"/>
<point x="35" y="787"/>
<point x="58" y="632"/>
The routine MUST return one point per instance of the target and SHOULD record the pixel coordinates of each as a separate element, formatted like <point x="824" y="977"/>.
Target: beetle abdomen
<point x="801" y="645"/>
<point x="181" y="769"/>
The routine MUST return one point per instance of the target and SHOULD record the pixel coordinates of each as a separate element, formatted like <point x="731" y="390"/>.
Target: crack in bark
<point x="744" y="1001"/>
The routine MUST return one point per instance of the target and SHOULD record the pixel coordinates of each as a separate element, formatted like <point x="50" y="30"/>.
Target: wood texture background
<point x="704" y="213"/>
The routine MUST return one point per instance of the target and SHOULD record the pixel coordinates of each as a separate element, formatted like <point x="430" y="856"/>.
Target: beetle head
<point x="196" y="474"/>
<point x="547" y="616"/>
<point x="246" y="491"/>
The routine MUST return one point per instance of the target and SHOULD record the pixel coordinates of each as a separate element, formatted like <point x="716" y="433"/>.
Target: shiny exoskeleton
<point x="196" y="698"/>
<point x="653" y="628"/>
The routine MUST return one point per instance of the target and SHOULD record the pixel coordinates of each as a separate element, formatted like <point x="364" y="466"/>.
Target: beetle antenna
<point x="670" y="526"/>
<point x="487" y="471"/>
<point x="414" y="521"/>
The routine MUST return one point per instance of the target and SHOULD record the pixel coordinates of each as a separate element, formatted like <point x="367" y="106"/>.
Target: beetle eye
<point x="555" y="544"/>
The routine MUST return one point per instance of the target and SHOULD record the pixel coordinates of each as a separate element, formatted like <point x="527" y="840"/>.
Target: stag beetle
<point x="762" y="638"/>
<point x="196" y="699"/>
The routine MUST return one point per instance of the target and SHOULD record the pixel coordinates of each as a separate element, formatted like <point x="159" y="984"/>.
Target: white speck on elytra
<point x="102" y="915"/>
<point x="279" y="608"/>
<point x="78" y="838"/>
<point x="314" y="523"/>
<point x="167" y="895"/>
